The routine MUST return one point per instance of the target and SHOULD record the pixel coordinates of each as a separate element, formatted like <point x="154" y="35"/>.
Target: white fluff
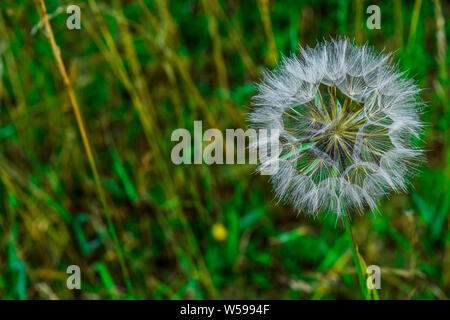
<point x="346" y="160"/>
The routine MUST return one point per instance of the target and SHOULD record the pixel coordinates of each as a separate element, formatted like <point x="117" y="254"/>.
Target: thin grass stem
<point x="89" y="153"/>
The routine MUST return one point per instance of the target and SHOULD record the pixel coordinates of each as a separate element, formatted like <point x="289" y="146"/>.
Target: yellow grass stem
<point x="272" y="54"/>
<point x="359" y="24"/>
<point x="414" y="22"/>
<point x="236" y="38"/>
<point x="398" y="22"/>
<point x="89" y="153"/>
<point x="146" y="111"/>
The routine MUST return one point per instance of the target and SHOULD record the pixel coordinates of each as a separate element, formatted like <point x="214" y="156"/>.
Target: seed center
<point x="331" y="125"/>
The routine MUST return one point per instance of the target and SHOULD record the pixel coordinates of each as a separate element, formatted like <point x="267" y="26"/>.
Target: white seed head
<point x="348" y="120"/>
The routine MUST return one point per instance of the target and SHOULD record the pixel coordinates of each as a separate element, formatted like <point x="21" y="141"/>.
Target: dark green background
<point x="141" y="69"/>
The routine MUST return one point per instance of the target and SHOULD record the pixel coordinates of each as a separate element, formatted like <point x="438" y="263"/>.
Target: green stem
<point x="356" y="259"/>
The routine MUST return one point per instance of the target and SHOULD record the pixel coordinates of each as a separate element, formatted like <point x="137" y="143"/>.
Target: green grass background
<point x="140" y="69"/>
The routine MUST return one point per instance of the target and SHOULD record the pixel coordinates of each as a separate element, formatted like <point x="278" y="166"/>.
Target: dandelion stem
<point x="356" y="257"/>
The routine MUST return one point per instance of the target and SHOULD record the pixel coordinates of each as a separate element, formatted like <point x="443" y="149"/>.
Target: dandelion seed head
<point x="348" y="119"/>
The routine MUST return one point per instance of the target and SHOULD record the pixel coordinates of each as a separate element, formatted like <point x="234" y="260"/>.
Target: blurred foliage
<point x="140" y="69"/>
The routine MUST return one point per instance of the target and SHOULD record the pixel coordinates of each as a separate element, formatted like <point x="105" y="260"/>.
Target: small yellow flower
<point x="219" y="232"/>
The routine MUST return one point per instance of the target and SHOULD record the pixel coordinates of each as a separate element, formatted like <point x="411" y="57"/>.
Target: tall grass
<point x="99" y="189"/>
